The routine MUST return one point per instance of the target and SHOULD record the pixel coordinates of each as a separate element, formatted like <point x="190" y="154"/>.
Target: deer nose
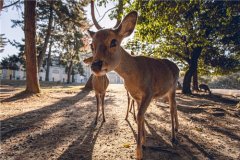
<point x="97" y="65"/>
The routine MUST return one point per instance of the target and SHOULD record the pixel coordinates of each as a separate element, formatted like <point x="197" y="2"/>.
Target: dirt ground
<point x="59" y="124"/>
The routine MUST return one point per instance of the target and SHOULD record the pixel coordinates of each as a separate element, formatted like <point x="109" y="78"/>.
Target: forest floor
<point x="59" y="124"/>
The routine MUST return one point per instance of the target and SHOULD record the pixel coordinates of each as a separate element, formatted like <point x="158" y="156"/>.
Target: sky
<point x="17" y="34"/>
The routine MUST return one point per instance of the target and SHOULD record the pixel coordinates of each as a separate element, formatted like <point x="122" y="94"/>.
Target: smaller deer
<point x="205" y="88"/>
<point x="100" y="84"/>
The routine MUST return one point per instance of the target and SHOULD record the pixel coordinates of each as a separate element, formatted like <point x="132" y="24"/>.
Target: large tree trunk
<point x="46" y="40"/>
<point x="195" y="80"/>
<point x="48" y="61"/>
<point x="88" y="85"/>
<point x="69" y="72"/>
<point x="32" y="83"/>
<point x="192" y="68"/>
<point x="1" y="5"/>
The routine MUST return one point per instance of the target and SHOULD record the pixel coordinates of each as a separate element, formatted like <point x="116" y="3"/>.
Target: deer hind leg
<point x="97" y="98"/>
<point x="102" y="99"/>
<point x="140" y="123"/>
<point x="174" y="116"/>
<point x="134" y="114"/>
<point x="128" y="106"/>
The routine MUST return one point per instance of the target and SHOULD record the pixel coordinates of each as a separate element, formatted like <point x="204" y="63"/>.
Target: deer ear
<point x="91" y="33"/>
<point x="88" y="60"/>
<point x="128" y="24"/>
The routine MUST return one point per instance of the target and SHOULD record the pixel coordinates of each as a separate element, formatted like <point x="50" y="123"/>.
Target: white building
<point x="57" y="74"/>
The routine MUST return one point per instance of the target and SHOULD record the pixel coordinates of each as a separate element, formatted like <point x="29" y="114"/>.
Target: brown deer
<point x="144" y="77"/>
<point x="100" y="84"/>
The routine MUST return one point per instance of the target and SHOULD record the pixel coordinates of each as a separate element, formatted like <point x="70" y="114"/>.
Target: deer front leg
<point x="102" y="99"/>
<point x="174" y="118"/>
<point x="97" y="98"/>
<point x="140" y="123"/>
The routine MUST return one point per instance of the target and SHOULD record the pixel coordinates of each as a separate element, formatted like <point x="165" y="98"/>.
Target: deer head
<point x="106" y="43"/>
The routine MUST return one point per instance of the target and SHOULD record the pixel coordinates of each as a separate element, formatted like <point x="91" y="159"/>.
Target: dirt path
<point x="60" y="125"/>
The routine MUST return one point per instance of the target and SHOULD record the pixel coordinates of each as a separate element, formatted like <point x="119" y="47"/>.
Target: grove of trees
<point x="201" y="36"/>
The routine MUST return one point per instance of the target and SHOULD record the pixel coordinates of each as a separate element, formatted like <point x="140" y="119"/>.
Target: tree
<point x="32" y="83"/>
<point x="185" y="31"/>
<point x="48" y="31"/>
<point x="61" y="14"/>
<point x="72" y="45"/>
<point x="10" y="62"/>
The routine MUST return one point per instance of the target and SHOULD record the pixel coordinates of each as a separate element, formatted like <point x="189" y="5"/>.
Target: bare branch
<point x="93" y="16"/>
<point x="11" y="4"/>
<point x="106" y="13"/>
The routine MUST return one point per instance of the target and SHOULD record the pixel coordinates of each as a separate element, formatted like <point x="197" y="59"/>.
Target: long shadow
<point x="162" y="150"/>
<point x="18" y="96"/>
<point x="82" y="148"/>
<point x="201" y="149"/>
<point x="224" y="131"/>
<point x="23" y="122"/>
<point x="188" y="110"/>
<point x="134" y="133"/>
<point x="217" y="98"/>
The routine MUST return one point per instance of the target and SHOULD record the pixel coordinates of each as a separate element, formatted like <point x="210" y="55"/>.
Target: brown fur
<point x="100" y="84"/>
<point x="145" y="78"/>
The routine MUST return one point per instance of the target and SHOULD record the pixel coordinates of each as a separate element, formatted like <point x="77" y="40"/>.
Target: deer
<point x="145" y="78"/>
<point x="100" y="84"/>
<point x="205" y="88"/>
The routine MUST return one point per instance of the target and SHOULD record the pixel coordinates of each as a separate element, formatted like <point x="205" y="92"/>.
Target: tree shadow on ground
<point x="74" y="132"/>
<point x="18" y="96"/>
<point x="189" y="146"/>
<point x="24" y="122"/>
<point x="216" y="98"/>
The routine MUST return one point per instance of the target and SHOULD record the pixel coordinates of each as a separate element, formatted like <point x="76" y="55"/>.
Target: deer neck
<point x="127" y="66"/>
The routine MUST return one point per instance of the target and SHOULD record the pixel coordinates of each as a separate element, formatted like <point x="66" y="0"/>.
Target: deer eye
<point x="113" y="43"/>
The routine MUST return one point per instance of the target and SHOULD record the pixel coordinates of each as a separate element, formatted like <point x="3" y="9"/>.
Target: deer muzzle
<point x="97" y="66"/>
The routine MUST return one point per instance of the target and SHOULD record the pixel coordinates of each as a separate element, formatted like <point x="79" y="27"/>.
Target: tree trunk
<point x="1" y="5"/>
<point x="73" y="77"/>
<point x="88" y="85"/>
<point x="46" y="40"/>
<point x="195" y="80"/>
<point x="48" y="61"/>
<point x="32" y="82"/>
<point x="192" y="68"/>
<point x="69" y="72"/>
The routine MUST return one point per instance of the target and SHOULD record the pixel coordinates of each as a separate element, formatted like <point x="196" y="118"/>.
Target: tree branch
<point x="10" y="4"/>
<point x="106" y="13"/>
